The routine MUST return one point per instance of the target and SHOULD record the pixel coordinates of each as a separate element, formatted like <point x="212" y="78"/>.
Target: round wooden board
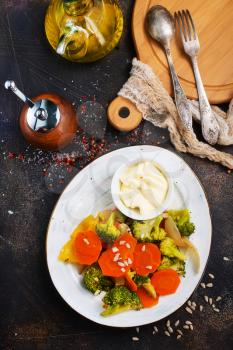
<point x="214" y="24"/>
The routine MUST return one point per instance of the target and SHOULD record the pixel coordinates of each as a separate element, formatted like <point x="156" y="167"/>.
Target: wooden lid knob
<point x="123" y="114"/>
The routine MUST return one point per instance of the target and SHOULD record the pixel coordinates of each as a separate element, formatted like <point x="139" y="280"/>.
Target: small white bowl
<point x="133" y="214"/>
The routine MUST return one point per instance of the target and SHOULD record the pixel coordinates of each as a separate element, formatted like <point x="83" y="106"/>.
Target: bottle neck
<point x="77" y="7"/>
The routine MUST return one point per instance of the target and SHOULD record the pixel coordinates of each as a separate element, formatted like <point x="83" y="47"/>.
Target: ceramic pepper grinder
<point x="47" y="121"/>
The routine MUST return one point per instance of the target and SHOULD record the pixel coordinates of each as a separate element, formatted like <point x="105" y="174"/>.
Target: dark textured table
<point x="32" y="314"/>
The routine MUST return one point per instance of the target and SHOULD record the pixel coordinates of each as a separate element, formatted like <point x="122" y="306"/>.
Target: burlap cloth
<point x="146" y="90"/>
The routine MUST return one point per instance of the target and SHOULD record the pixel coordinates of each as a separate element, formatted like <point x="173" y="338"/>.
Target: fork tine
<point x="192" y="24"/>
<point x="178" y="21"/>
<point x="182" y="26"/>
<point x="187" y="24"/>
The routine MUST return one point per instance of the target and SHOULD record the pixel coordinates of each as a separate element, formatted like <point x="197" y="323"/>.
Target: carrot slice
<point x="147" y="258"/>
<point x="110" y="267"/>
<point x="87" y="247"/>
<point x="130" y="283"/>
<point x="126" y="244"/>
<point x="146" y="299"/>
<point x="165" y="281"/>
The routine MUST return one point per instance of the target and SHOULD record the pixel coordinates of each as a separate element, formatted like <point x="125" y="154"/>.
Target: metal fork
<point x="210" y="127"/>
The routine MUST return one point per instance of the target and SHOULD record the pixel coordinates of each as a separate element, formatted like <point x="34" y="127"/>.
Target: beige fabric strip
<point x="146" y="90"/>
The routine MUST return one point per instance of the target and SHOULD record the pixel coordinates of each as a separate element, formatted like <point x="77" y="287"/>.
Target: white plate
<point x="88" y="193"/>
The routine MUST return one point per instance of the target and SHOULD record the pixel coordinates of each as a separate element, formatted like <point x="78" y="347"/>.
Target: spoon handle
<point x="182" y="103"/>
<point x="10" y="85"/>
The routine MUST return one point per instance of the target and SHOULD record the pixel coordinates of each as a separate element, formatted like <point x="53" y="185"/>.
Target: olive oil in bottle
<point x="83" y="30"/>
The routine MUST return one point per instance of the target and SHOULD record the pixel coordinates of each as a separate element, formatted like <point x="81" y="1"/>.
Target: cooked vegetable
<point x="118" y="259"/>
<point x="110" y="266"/>
<point x="108" y="232"/>
<point x="120" y="299"/>
<point x="94" y="280"/>
<point x="130" y="281"/>
<point x="87" y="247"/>
<point x="165" y="281"/>
<point x="173" y="263"/>
<point x="147" y="258"/>
<point x="173" y="232"/>
<point x="194" y="254"/>
<point x="149" y="230"/>
<point x="168" y="248"/>
<point x="146" y="299"/>
<point x="125" y="244"/>
<point x="68" y="253"/>
<point x="182" y="220"/>
<point x="145" y="282"/>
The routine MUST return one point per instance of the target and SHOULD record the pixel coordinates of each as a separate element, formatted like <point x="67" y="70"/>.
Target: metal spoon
<point x="160" y="26"/>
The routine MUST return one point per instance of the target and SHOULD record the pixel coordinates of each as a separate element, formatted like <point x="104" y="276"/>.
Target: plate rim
<point x="56" y="204"/>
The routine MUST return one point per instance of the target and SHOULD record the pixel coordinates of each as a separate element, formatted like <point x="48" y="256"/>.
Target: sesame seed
<point x="122" y="242"/>
<point x="122" y="269"/>
<point x="85" y="240"/>
<point x="170" y="329"/>
<point x="128" y="245"/>
<point x="188" y="322"/>
<point x="143" y="248"/>
<point x="218" y="298"/>
<point x="180" y="331"/>
<point x="96" y="279"/>
<point x="209" y="285"/>
<point x="191" y="327"/>
<point x="216" y="310"/>
<point x="178" y="336"/>
<point x="193" y="307"/>
<point x="226" y="258"/>
<point x="203" y="285"/>
<point x="116" y="257"/>
<point x="188" y="310"/>
<point x="126" y="263"/>
<point x="210" y="301"/>
<point x="156" y="329"/>
<point x="121" y="264"/>
<point x="211" y="276"/>
<point x="97" y="292"/>
<point x="168" y="323"/>
<point x="153" y="332"/>
<point x="213" y="306"/>
<point x="186" y="326"/>
<point x="149" y="267"/>
<point x="135" y="338"/>
<point x="189" y="303"/>
<point x="177" y="323"/>
<point x="143" y="235"/>
<point x="206" y="298"/>
<point x="194" y="304"/>
<point x="137" y="329"/>
<point x="115" y="249"/>
<point x="201" y="308"/>
<point x="129" y="261"/>
<point x="167" y="333"/>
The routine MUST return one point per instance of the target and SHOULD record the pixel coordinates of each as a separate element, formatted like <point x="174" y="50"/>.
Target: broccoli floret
<point x="120" y="299"/>
<point x="145" y="282"/>
<point x="108" y="232"/>
<point x="173" y="263"/>
<point x="182" y="220"/>
<point x="94" y="280"/>
<point x="186" y="229"/>
<point x="168" y="248"/>
<point x="149" y="230"/>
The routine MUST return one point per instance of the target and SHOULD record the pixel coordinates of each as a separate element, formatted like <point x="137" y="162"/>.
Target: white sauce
<point x="143" y="187"/>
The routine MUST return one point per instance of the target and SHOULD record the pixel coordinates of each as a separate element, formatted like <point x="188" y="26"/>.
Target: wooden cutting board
<point x="214" y="24"/>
